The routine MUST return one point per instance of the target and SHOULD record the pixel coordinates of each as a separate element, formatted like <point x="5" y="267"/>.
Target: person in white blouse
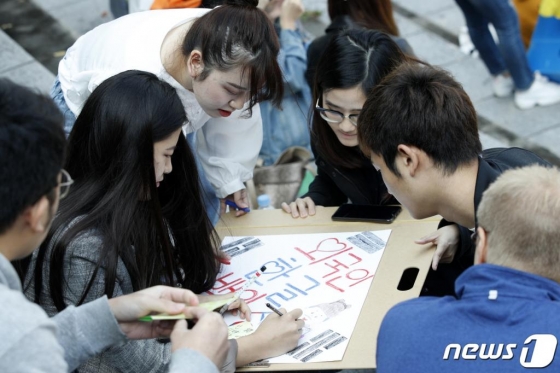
<point x="222" y="62"/>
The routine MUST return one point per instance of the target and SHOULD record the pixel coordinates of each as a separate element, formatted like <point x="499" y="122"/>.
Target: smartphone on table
<point x="371" y="213"/>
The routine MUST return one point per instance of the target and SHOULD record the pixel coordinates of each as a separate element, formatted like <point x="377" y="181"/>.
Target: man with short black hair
<point x="506" y="314"/>
<point x="32" y="146"/>
<point x="420" y="130"/>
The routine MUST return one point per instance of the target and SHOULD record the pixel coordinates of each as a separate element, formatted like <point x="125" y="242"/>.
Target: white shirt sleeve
<point x="228" y="149"/>
<point x="81" y="85"/>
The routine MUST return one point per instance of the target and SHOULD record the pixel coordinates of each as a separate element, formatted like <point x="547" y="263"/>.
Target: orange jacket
<point x="169" y="4"/>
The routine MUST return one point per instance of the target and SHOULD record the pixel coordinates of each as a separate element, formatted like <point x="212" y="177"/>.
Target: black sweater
<point x="491" y="164"/>
<point x="334" y="186"/>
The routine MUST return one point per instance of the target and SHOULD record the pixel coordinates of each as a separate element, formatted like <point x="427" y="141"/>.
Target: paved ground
<point x="430" y="26"/>
<point x="46" y="27"/>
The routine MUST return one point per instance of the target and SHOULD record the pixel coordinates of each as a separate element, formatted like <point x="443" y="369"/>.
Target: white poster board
<point x="328" y="275"/>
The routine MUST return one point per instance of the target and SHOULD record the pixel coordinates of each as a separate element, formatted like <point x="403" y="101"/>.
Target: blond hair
<point x="521" y="213"/>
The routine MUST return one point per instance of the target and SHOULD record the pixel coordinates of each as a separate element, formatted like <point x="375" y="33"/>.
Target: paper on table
<point x="240" y="330"/>
<point x="328" y="275"/>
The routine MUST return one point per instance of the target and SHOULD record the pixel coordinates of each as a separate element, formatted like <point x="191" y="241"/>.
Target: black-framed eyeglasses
<point x="333" y="116"/>
<point x="65" y="183"/>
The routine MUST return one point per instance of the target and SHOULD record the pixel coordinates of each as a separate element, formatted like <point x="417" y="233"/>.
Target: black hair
<point x="211" y="3"/>
<point x="421" y="106"/>
<point x="352" y="58"/>
<point x="239" y="34"/>
<point x="32" y="148"/>
<point x="371" y="14"/>
<point x="162" y="235"/>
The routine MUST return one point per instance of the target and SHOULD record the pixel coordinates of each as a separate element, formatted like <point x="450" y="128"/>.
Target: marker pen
<point x="245" y="287"/>
<point x="274" y="309"/>
<point x="230" y="203"/>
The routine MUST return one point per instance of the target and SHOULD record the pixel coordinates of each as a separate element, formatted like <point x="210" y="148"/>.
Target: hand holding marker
<point x="234" y="205"/>
<point x="274" y="309"/>
<point x="245" y="287"/>
<point x="210" y="306"/>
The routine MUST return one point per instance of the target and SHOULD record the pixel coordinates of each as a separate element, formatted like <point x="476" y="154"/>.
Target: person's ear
<point x="37" y="216"/>
<point x="195" y="65"/>
<point x="408" y="158"/>
<point x="481" y="246"/>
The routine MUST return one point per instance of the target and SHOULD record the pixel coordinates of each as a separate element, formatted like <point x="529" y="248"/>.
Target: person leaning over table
<point x="353" y="63"/>
<point x="221" y="61"/>
<point x="420" y="130"/>
<point x="33" y="182"/>
<point x="505" y="316"/>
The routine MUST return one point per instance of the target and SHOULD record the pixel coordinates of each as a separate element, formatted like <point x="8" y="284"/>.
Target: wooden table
<point x="401" y="253"/>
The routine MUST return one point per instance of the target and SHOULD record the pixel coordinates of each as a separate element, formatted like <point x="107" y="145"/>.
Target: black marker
<point x="274" y="309"/>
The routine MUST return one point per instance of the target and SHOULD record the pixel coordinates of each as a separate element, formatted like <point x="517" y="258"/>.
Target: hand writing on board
<point x="275" y="336"/>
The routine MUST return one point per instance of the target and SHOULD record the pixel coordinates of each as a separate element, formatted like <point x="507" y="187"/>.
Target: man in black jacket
<point x="420" y="130"/>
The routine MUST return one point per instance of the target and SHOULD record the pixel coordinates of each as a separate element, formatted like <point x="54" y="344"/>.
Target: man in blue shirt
<point x="506" y="314"/>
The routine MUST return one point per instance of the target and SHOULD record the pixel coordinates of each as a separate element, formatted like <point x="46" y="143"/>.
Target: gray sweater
<point x="133" y="355"/>
<point x="31" y="342"/>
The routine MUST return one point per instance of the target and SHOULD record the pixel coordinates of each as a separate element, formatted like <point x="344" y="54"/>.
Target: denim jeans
<point x="510" y="55"/>
<point x="58" y="98"/>
<point x="119" y="8"/>
<point x="288" y="127"/>
<point x="211" y="202"/>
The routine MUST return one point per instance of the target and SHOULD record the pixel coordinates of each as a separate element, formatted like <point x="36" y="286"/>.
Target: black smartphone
<point x="372" y="213"/>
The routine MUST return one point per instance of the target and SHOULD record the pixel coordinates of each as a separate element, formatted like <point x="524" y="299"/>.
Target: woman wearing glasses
<point x="353" y="63"/>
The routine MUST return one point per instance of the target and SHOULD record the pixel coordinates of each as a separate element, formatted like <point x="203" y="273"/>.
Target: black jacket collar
<point x="486" y="175"/>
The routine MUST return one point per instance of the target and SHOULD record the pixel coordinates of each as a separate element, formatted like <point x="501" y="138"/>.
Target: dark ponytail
<point x="239" y="34"/>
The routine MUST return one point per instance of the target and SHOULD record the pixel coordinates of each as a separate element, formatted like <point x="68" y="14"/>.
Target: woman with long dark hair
<point x="353" y="63"/>
<point x="354" y="14"/>
<point x="129" y="222"/>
